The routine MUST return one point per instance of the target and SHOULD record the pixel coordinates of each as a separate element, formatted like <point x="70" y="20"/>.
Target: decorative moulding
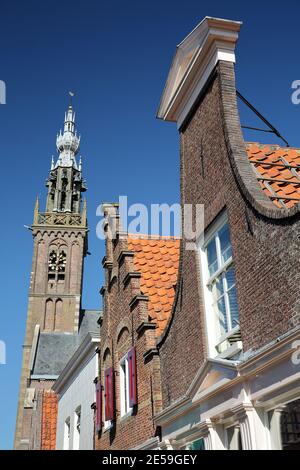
<point x="195" y="58"/>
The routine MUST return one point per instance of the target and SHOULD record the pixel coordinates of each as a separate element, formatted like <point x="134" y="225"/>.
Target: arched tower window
<point x="57" y="265"/>
<point x="58" y="315"/>
<point x="64" y="190"/>
<point x="49" y="315"/>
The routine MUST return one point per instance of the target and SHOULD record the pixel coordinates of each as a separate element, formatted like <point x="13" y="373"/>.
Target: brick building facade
<point x="225" y="390"/>
<point x="140" y="276"/>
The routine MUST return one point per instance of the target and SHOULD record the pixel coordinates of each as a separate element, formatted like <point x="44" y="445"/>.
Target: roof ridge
<point x="260" y="144"/>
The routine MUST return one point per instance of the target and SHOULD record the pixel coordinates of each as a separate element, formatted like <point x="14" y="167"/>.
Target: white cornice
<point x="196" y="56"/>
<point x="274" y="353"/>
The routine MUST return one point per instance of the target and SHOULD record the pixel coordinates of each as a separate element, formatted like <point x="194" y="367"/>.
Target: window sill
<point x="231" y="351"/>
<point x="228" y="335"/>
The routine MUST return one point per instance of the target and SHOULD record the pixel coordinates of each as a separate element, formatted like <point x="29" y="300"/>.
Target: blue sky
<point x="116" y="56"/>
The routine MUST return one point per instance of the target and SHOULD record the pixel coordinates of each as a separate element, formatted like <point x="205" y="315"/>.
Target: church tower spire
<point x="59" y="249"/>
<point x="65" y="183"/>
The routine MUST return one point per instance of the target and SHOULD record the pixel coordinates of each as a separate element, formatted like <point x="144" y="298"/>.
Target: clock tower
<point x="59" y="247"/>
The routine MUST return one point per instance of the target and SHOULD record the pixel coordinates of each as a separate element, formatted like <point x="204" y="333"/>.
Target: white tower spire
<point x="68" y="142"/>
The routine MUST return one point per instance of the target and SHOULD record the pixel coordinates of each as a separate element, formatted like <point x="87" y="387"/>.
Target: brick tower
<point x="54" y="305"/>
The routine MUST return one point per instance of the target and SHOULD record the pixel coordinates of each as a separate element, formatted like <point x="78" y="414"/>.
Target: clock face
<point x="61" y="262"/>
<point x="52" y="261"/>
<point x="57" y="261"/>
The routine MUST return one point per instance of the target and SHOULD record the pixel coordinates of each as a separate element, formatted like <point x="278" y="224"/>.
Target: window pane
<point x="230" y="277"/>
<point x="234" y="313"/>
<point x="231" y="291"/>
<point x="220" y="310"/>
<point x="197" y="445"/>
<point x="225" y="243"/>
<point x="212" y="257"/>
<point x="217" y="289"/>
<point x="290" y="426"/>
<point x="123" y="389"/>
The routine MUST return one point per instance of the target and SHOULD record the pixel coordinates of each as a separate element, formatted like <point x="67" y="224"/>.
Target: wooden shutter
<point x="132" y="377"/>
<point x="98" y="406"/>
<point x="109" y="394"/>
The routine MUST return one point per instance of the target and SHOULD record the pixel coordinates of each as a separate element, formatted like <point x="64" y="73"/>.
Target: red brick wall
<point x="215" y="172"/>
<point x="118" y="335"/>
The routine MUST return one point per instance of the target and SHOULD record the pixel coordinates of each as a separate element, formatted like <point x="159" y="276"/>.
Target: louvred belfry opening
<point x="109" y="394"/>
<point x="132" y="377"/>
<point x="98" y="406"/>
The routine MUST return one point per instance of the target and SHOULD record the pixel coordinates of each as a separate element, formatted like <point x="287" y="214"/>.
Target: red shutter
<point x="132" y="377"/>
<point x="98" y="406"/>
<point x="109" y="394"/>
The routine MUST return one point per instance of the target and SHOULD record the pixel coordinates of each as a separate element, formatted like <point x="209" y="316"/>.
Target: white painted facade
<point x="248" y="397"/>
<point x="76" y="390"/>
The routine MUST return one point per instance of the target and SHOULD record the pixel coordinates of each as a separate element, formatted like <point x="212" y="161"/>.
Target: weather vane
<point x="72" y="94"/>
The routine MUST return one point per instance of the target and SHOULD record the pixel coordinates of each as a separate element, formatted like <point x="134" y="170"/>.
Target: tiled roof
<point x="278" y="172"/>
<point x="157" y="260"/>
<point x="49" y="417"/>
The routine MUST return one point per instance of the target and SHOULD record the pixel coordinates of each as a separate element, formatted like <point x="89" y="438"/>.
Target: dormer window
<point x="222" y="316"/>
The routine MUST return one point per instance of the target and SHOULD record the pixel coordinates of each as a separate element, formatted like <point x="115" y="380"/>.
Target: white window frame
<point x="214" y="339"/>
<point x="67" y="433"/>
<point x="125" y="409"/>
<point x="107" y="424"/>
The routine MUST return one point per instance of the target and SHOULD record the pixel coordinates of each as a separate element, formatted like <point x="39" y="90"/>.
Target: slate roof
<point x="157" y="259"/>
<point x="53" y="352"/>
<point x="278" y="172"/>
<point x="54" y="349"/>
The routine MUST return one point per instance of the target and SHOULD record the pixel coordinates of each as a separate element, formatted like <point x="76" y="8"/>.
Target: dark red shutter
<point x="132" y="377"/>
<point x="109" y="394"/>
<point x="98" y="406"/>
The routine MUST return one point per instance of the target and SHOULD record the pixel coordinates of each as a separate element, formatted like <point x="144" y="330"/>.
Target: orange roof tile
<point x="279" y="168"/>
<point x="157" y="260"/>
<point x="49" y="417"/>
